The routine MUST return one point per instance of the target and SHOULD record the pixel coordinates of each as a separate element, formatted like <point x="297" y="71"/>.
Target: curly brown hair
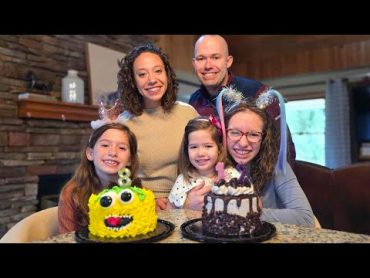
<point x="263" y="165"/>
<point x="132" y="100"/>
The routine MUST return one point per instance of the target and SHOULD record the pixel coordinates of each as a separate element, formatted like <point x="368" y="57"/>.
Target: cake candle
<point x="220" y="168"/>
<point x="243" y="172"/>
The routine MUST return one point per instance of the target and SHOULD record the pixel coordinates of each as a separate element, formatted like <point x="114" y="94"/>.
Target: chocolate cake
<point x="231" y="209"/>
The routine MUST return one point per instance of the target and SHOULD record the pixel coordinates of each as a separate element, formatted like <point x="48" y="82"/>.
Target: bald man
<point x="211" y="63"/>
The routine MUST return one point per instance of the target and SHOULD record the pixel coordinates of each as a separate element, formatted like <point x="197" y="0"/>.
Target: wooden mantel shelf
<point x="56" y="110"/>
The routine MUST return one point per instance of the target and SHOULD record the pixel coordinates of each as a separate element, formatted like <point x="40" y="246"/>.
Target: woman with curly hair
<point x="148" y="89"/>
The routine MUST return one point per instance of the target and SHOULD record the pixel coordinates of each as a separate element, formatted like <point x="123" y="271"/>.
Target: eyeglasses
<point x="252" y="136"/>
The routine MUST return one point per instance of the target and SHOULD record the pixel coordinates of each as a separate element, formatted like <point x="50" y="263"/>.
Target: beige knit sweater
<point x="159" y="138"/>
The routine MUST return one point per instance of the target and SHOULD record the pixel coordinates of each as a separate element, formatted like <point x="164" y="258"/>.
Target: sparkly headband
<point x="234" y="97"/>
<point x="107" y="116"/>
<point x="265" y="99"/>
<point x="110" y="115"/>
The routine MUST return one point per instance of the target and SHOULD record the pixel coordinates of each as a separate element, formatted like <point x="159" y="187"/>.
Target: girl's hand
<point x="195" y="198"/>
<point x="161" y="203"/>
<point x="170" y="205"/>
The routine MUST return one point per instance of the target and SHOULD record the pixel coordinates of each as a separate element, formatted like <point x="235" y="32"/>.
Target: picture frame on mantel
<point x="102" y="64"/>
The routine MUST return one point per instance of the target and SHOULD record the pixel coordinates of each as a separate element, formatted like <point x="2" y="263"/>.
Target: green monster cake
<point x="123" y="211"/>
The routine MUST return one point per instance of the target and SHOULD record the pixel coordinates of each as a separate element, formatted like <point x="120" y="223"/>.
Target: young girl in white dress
<point x="202" y="160"/>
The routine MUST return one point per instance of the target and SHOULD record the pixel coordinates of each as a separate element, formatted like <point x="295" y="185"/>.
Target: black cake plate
<point x="164" y="229"/>
<point x="192" y="229"/>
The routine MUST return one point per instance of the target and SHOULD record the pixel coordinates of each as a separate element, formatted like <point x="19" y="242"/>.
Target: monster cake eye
<point x="107" y="199"/>
<point x="126" y="196"/>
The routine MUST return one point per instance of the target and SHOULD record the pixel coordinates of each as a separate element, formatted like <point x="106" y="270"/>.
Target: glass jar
<point x="72" y="88"/>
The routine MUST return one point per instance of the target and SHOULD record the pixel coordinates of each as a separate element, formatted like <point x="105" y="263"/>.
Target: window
<point x="306" y="121"/>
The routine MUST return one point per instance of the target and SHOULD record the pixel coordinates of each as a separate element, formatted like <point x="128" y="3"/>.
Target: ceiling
<point x="251" y="47"/>
<point x="246" y="47"/>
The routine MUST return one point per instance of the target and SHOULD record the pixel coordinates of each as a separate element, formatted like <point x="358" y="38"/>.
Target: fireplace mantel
<point x="56" y="110"/>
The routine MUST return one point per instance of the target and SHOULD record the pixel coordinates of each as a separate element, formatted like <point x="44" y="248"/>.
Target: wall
<point x="31" y="147"/>
<point x="312" y="54"/>
<point x="180" y="50"/>
<point x="344" y="55"/>
<point x="297" y="65"/>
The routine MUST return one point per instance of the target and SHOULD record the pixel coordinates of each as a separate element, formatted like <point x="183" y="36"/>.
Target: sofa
<point x="340" y="198"/>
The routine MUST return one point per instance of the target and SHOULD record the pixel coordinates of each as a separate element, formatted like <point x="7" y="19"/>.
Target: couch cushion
<point x="352" y="194"/>
<point x="317" y="183"/>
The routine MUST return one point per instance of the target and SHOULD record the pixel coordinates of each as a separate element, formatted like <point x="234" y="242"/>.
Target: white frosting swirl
<point x="229" y="190"/>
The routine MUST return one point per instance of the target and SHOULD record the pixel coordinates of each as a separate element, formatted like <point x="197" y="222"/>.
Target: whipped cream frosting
<point x="229" y="190"/>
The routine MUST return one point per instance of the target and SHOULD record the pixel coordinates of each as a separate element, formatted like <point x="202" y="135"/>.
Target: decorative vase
<point x="72" y="88"/>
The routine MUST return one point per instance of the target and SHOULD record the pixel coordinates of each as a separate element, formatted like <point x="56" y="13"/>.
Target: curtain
<point x="337" y="125"/>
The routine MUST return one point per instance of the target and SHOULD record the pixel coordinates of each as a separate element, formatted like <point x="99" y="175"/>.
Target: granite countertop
<point x="285" y="233"/>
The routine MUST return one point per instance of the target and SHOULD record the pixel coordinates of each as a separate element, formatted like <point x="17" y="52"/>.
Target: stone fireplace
<point x="35" y="143"/>
<point x="49" y="187"/>
<point x="38" y="148"/>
